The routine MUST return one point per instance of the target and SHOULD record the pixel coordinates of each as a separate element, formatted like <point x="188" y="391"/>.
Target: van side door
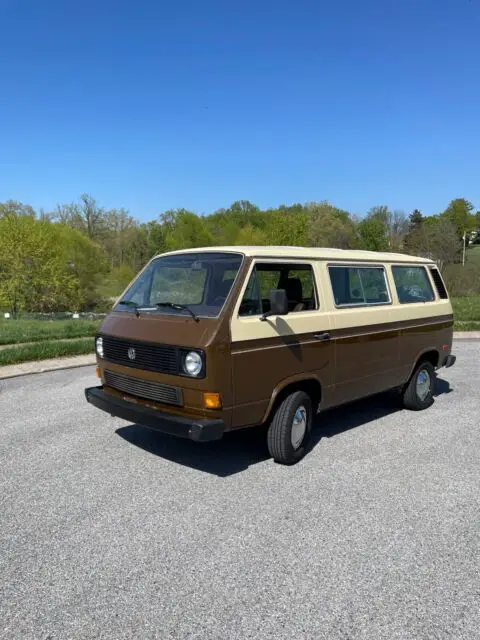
<point x="267" y="355"/>
<point x="366" y="339"/>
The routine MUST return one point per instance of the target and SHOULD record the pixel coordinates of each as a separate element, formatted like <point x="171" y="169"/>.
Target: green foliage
<point x="249" y="236"/>
<point x="287" y="226"/>
<point x="43" y="350"/>
<point x="373" y="233"/>
<point x="459" y="214"/>
<point x="115" y="282"/>
<point x="329" y="226"/>
<point x="183" y="229"/>
<point x="82" y="255"/>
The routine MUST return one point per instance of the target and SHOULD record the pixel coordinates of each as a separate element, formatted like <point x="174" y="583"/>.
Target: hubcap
<point x="299" y="426"/>
<point x="423" y="384"/>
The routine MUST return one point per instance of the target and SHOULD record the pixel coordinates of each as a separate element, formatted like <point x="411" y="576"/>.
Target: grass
<point x="467" y="312"/>
<point x="43" y="350"/>
<point x="15" y="331"/>
<point x="473" y="254"/>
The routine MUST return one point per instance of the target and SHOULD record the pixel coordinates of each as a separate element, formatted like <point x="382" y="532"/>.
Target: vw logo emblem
<point x="131" y="353"/>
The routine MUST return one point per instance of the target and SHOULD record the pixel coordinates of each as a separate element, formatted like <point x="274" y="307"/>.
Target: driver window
<point x="296" y="279"/>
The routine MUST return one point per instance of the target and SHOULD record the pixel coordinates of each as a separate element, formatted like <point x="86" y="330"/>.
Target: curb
<point x="44" y="366"/>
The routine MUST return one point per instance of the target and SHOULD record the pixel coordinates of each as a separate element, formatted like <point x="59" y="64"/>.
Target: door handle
<point x="322" y="336"/>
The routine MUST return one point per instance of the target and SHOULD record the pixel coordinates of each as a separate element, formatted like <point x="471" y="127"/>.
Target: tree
<point x="12" y="207"/>
<point x="397" y="229"/>
<point x="459" y="214"/>
<point x="34" y="275"/>
<point x="330" y="227"/>
<point x="119" y="231"/>
<point x="415" y="219"/>
<point x="287" y="226"/>
<point x="184" y="229"/>
<point x="86" y="216"/>
<point x="86" y="261"/>
<point x="249" y="236"/>
<point x="154" y="238"/>
<point x="373" y="234"/>
<point x="437" y="241"/>
<point x="415" y="222"/>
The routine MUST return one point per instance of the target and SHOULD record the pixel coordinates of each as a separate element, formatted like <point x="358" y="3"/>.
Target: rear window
<point x="412" y="284"/>
<point x="437" y="278"/>
<point x="358" y="286"/>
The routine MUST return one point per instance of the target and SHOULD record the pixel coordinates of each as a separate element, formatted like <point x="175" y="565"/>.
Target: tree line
<point x="81" y="255"/>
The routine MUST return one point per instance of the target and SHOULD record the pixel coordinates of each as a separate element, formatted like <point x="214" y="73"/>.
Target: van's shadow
<point x="238" y="450"/>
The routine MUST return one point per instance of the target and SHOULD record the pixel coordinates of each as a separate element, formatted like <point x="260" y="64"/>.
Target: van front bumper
<point x="201" y="430"/>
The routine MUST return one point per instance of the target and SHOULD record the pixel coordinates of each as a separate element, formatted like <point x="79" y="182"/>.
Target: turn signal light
<point x="212" y="401"/>
<point x="97" y="372"/>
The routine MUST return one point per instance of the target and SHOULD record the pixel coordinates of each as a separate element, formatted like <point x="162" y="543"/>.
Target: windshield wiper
<point x="137" y="307"/>
<point x="180" y="307"/>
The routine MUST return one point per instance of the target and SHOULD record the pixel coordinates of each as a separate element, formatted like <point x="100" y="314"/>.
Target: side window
<point x="412" y="284"/>
<point x="296" y="279"/>
<point x="358" y="285"/>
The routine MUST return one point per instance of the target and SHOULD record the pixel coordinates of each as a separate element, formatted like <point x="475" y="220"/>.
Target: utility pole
<point x="464" y="241"/>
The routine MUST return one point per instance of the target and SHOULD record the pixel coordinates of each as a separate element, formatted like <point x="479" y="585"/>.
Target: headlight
<point x="193" y="363"/>
<point x="99" y="347"/>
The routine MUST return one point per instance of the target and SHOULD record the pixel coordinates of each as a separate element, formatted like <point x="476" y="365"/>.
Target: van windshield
<point x="199" y="281"/>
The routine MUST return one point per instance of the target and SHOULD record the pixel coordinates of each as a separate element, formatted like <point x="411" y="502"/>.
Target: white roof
<point x="319" y="253"/>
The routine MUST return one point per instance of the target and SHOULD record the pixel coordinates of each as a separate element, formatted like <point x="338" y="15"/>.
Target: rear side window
<point x="437" y="278"/>
<point x="296" y="279"/>
<point x="412" y="284"/>
<point x="358" y="285"/>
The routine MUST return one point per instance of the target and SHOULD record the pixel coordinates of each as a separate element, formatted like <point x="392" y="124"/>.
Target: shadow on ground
<point x="238" y="450"/>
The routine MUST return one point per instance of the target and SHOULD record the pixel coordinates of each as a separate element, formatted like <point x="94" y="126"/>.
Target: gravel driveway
<point x="108" y="530"/>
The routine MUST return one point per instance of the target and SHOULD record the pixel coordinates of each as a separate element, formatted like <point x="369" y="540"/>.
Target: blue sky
<point x="153" y="105"/>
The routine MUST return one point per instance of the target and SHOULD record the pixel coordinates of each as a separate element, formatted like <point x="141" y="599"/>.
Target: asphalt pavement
<point x="111" y="531"/>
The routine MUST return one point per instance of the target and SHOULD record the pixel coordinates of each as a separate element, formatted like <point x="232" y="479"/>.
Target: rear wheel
<point x="418" y="394"/>
<point x="290" y="429"/>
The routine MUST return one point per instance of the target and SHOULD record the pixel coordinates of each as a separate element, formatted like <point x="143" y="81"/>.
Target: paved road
<point x="108" y="530"/>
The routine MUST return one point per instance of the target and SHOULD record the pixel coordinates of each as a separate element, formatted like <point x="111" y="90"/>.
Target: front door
<point x="266" y="354"/>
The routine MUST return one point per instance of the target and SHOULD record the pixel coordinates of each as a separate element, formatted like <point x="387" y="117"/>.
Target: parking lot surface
<point x="108" y="530"/>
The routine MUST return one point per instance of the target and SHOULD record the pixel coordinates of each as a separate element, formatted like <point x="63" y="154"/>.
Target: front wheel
<point x="290" y="429"/>
<point x="418" y="394"/>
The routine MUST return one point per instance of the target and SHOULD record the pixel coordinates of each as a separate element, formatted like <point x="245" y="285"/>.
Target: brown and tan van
<point x="206" y="341"/>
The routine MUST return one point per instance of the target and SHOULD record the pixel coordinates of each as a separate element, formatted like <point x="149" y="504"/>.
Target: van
<point x="206" y="341"/>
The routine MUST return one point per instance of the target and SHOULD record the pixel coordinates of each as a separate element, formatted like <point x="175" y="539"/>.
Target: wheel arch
<point x="308" y="383"/>
<point x="432" y="355"/>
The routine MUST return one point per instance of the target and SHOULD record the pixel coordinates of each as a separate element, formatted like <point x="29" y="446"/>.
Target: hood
<point x="162" y="328"/>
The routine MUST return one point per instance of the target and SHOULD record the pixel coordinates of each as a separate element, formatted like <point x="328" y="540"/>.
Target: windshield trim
<point x="173" y="312"/>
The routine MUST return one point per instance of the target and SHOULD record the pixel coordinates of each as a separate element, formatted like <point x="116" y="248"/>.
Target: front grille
<point x="151" y="357"/>
<point x="144" y="388"/>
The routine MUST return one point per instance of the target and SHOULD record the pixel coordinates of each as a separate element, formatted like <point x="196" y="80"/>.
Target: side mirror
<point x="278" y="303"/>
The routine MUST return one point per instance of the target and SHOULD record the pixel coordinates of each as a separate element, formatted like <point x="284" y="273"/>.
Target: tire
<point x="283" y="440"/>
<point x="414" y="397"/>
